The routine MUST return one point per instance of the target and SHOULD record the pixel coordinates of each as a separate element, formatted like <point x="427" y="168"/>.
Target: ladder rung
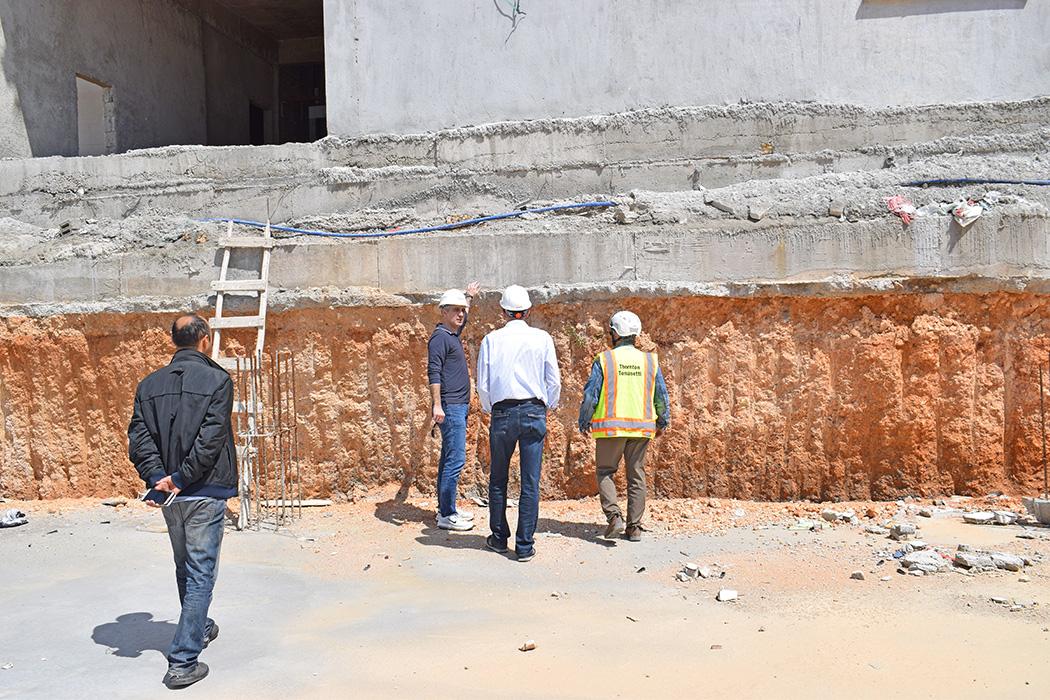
<point x="238" y="322"/>
<point x="245" y="406"/>
<point x="239" y="286"/>
<point x="247" y="242"/>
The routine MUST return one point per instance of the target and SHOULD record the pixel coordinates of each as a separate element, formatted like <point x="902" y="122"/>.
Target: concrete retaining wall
<point x="404" y="66"/>
<point x="732" y="259"/>
<point x="659" y="149"/>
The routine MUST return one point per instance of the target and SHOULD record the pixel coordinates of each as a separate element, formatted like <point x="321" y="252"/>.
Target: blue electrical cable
<point x="973" y="181"/>
<point x="405" y="232"/>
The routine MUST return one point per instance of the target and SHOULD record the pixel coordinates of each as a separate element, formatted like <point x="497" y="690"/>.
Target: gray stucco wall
<point x="408" y="66"/>
<point x="149" y="52"/>
<point x="236" y="75"/>
<point x="177" y="78"/>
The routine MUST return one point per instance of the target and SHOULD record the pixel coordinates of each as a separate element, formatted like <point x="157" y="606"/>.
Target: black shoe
<point x="616" y="527"/>
<point x="526" y="557"/>
<point x="492" y="543"/>
<point x="211" y="634"/>
<point x="181" y="679"/>
<point x="634" y="534"/>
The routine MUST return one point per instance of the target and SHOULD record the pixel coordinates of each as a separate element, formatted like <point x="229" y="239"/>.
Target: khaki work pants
<point x="607" y="454"/>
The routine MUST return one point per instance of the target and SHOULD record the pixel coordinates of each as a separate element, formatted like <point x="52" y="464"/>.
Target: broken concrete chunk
<point x="113" y="502"/>
<point x="757" y="212"/>
<point x="857" y="575"/>
<point x="837" y="209"/>
<point x="902" y="531"/>
<point x="1010" y="562"/>
<point x="1004" y="517"/>
<point x="927" y="561"/>
<point x="979" y="518"/>
<point x="926" y="512"/>
<point x="973" y="560"/>
<point x="720" y="205"/>
<point x="876" y="530"/>
<point x="726" y="594"/>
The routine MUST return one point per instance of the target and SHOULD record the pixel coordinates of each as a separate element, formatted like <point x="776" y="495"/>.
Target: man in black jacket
<point x="181" y="442"/>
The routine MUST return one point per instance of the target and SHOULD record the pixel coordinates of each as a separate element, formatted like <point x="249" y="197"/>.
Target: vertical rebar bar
<point x="295" y="441"/>
<point x="1042" y="422"/>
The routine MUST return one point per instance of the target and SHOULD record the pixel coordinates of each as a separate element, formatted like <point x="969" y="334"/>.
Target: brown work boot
<point x="634" y="534"/>
<point x="616" y="527"/>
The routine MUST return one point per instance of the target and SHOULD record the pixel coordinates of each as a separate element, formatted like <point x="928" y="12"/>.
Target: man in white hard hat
<point x="518" y="382"/>
<point x="450" y="401"/>
<point x="625" y="404"/>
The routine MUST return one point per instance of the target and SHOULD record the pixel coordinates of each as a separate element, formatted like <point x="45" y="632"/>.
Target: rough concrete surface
<point x="495" y="164"/>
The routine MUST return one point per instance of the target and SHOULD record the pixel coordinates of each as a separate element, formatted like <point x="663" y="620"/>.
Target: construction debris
<point x="13" y="518"/>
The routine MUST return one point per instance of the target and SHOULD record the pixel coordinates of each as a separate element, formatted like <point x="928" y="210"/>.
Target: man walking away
<point x="625" y="404"/>
<point x="450" y="402"/>
<point x="518" y="382"/>
<point x="181" y="442"/>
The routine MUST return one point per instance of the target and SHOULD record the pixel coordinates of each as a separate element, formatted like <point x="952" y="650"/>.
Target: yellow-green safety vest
<point x="625" y="406"/>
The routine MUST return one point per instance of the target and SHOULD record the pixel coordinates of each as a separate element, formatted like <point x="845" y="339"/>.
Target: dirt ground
<point x="371" y="600"/>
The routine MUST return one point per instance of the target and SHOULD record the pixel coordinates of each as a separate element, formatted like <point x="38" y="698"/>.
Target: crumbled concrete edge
<point x="284" y="300"/>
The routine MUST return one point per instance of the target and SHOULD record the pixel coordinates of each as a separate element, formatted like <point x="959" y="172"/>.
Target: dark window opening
<point x="302" y="98"/>
<point x="256" y="125"/>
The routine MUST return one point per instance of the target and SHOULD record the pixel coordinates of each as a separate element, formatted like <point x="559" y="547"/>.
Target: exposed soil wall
<point x="772" y="398"/>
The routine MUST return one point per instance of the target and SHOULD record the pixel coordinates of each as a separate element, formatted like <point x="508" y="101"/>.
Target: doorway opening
<point x="95" y="132"/>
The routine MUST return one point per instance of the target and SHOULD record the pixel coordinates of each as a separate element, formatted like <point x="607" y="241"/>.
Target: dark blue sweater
<point x="447" y="365"/>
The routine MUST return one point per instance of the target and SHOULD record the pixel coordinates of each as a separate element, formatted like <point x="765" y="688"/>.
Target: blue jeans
<point x="453" y="455"/>
<point x="524" y="426"/>
<point x="195" y="529"/>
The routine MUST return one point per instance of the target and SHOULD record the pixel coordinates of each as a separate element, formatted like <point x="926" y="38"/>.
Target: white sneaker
<point x="453" y="522"/>
<point x="460" y="514"/>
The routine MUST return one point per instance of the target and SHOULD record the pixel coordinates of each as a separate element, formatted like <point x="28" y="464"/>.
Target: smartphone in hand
<point x="161" y="498"/>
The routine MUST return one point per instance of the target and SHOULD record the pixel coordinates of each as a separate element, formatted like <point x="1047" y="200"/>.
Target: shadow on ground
<point x="399" y="513"/>
<point x="134" y="633"/>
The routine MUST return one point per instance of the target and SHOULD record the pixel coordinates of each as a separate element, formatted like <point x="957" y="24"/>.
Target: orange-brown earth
<point x="772" y="398"/>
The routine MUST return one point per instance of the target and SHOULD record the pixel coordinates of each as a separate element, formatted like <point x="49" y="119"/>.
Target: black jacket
<point x="181" y="426"/>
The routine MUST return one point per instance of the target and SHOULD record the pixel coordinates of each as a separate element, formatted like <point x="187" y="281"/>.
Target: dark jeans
<point x="195" y="528"/>
<point x="453" y="455"/>
<point x="525" y="426"/>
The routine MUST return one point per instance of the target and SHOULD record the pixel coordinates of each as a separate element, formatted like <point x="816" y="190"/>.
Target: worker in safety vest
<point x="625" y="404"/>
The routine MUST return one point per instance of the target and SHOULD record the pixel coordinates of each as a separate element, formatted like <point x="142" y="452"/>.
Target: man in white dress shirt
<point x="518" y="382"/>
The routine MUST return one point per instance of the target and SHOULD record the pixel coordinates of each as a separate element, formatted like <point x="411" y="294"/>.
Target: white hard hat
<point x="453" y="297"/>
<point x="626" y="323"/>
<point x="515" y="298"/>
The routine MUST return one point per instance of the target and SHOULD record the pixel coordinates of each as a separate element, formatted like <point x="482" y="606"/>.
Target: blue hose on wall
<point x="404" y="232"/>
<point x="972" y="181"/>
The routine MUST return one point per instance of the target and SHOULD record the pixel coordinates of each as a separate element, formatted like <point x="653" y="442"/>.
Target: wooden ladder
<point x="259" y="287"/>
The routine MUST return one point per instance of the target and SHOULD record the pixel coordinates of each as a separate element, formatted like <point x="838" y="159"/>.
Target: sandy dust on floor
<point x="371" y="600"/>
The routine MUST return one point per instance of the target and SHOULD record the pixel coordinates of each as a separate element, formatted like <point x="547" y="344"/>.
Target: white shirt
<point x="518" y="362"/>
